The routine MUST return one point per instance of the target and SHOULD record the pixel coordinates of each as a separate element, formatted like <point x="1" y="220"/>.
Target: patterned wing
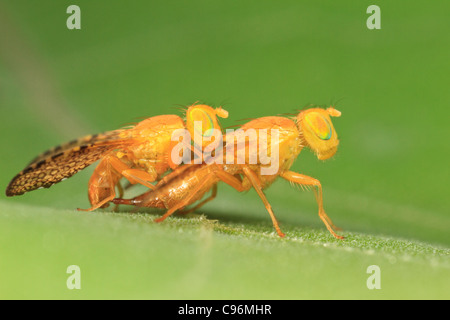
<point x="62" y="162"/>
<point x="95" y="139"/>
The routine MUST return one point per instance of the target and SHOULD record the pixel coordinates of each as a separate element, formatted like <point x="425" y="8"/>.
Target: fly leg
<point x="232" y="181"/>
<point x="201" y="204"/>
<point x="303" y="180"/>
<point x="106" y="177"/>
<point x="102" y="186"/>
<point x="134" y="176"/>
<point x="256" y="183"/>
<point x="184" y="202"/>
<point x="215" y="175"/>
<point x="121" y="192"/>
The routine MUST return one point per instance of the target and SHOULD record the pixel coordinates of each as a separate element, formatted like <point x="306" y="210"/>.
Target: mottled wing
<point x="96" y="139"/>
<point x="62" y="162"/>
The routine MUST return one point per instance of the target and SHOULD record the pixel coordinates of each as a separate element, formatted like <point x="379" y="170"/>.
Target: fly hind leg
<point x="233" y="181"/>
<point x="184" y="202"/>
<point x="215" y="176"/>
<point x="106" y="177"/>
<point x="102" y="185"/>
<point x="201" y="204"/>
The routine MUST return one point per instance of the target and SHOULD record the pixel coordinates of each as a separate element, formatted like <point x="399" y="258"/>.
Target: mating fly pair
<point x="142" y="154"/>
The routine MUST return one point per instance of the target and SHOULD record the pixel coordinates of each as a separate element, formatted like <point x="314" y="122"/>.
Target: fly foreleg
<point x="303" y="180"/>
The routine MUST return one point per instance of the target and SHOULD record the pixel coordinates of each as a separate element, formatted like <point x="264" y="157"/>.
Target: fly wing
<point x="96" y="139"/>
<point x="62" y="162"/>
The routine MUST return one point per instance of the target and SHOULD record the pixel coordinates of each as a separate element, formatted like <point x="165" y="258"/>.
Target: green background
<point x="387" y="186"/>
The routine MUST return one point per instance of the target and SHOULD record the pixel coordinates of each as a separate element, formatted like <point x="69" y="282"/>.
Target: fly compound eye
<point x="203" y="123"/>
<point x="319" y="125"/>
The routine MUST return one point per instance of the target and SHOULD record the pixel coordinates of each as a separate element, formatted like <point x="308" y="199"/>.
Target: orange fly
<point x="312" y="128"/>
<point x="141" y="154"/>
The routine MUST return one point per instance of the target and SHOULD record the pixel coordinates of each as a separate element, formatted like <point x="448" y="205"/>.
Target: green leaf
<point x="126" y="256"/>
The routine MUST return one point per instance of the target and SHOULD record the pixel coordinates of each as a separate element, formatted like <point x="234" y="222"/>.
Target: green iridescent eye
<point x="319" y="124"/>
<point x="202" y="121"/>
